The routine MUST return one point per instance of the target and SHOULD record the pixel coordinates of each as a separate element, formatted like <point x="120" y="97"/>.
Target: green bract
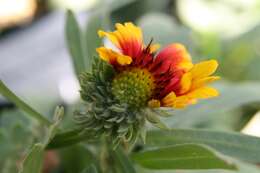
<point x="104" y="114"/>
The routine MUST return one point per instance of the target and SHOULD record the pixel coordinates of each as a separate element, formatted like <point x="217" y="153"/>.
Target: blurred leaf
<point x="6" y="92"/>
<point x="123" y="161"/>
<point x="90" y="169"/>
<point x="97" y="21"/>
<point x="232" y="95"/>
<point x="209" y="46"/>
<point x="242" y="54"/>
<point x="75" y="43"/>
<point x="169" y="30"/>
<point x="136" y="8"/>
<point x="117" y="4"/>
<point x="76" y="152"/>
<point x="15" y="135"/>
<point x="186" y="156"/>
<point x="242" y="168"/>
<point x="240" y="146"/>
<point x="34" y="159"/>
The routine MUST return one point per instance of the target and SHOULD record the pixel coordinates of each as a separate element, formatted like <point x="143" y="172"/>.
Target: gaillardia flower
<point x="127" y="85"/>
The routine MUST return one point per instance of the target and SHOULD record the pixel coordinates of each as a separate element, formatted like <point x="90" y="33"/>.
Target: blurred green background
<point x="226" y="30"/>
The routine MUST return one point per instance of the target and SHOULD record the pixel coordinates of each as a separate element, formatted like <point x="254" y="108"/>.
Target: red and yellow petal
<point x="173" y="58"/>
<point x="128" y="38"/>
<point x="113" y="57"/>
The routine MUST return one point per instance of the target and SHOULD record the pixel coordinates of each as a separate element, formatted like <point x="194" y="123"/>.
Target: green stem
<point x="22" y="105"/>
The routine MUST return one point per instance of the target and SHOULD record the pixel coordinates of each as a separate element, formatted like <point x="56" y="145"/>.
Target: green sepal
<point x="153" y="118"/>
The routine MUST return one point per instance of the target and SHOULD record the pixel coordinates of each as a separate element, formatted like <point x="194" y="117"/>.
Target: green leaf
<point x="123" y="161"/>
<point x="97" y="21"/>
<point x="240" y="146"/>
<point x="242" y="168"/>
<point x="232" y="95"/>
<point x="90" y="169"/>
<point x="186" y="156"/>
<point x="33" y="161"/>
<point x="75" y="43"/>
<point x="6" y="92"/>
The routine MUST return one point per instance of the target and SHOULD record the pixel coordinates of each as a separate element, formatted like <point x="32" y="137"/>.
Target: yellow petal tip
<point x="154" y="103"/>
<point x="101" y="33"/>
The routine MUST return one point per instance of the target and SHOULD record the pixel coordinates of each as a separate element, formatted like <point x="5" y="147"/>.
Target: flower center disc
<point x="133" y="86"/>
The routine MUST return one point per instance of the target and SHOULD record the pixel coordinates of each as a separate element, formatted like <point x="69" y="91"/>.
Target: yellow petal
<point x="176" y="102"/>
<point x="123" y="59"/>
<point x="111" y="56"/>
<point x="154" y="48"/>
<point x="186" y="65"/>
<point x="129" y="32"/>
<point x="204" y="69"/>
<point x="186" y="82"/>
<point x="181" y="102"/>
<point x="154" y="103"/>
<point x="110" y="35"/>
<point x="203" y="81"/>
<point x="203" y="93"/>
<point x="169" y="98"/>
<point x="104" y="54"/>
<point x="134" y="30"/>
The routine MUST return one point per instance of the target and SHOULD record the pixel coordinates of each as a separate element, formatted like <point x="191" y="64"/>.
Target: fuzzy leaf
<point x="240" y="146"/>
<point x="186" y="156"/>
<point x="95" y="22"/>
<point x="75" y="43"/>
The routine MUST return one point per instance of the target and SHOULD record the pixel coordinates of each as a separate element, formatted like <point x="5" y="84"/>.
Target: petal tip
<point x="101" y="33"/>
<point x="154" y="103"/>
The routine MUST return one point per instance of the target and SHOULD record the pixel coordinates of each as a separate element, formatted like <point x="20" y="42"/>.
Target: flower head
<point x="171" y="79"/>
<point x="125" y="87"/>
